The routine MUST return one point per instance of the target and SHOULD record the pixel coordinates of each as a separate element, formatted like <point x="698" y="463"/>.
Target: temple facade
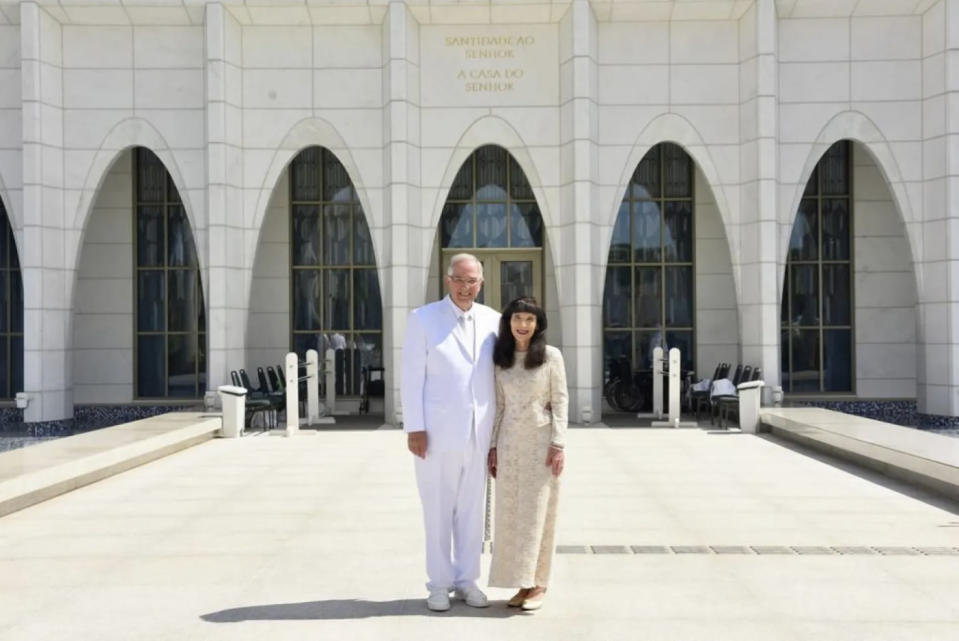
<point x="196" y="187"/>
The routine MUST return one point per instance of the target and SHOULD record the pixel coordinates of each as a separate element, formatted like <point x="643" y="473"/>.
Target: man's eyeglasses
<point x="472" y="282"/>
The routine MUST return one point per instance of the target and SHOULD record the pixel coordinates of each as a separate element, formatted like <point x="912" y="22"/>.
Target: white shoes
<point x="473" y="596"/>
<point x="438" y="601"/>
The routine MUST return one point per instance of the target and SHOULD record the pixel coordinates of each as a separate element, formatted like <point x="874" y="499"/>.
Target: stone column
<point x="48" y="272"/>
<point x="405" y="230"/>
<point x="580" y="233"/>
<point x="938" y="385"/>
<point x="229" y="271"/>
<point x="756" y="261"/>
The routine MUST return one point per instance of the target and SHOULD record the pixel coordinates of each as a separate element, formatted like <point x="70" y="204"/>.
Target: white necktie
<point x="469" y="334"/>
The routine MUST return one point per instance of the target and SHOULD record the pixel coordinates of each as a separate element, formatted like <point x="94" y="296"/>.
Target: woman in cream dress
<point x="526" y="453"/>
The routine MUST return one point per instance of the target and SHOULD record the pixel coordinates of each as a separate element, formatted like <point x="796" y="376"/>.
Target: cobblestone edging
<point x="15" y="433"/>
<point x="903" y="413"/>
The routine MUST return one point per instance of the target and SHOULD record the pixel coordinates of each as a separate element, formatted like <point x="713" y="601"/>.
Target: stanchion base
<point x="675" y="424"/>
<point x="649" y="415"/>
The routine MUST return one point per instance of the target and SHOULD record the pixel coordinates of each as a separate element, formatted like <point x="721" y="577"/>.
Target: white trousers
<point x="451" y="486"/>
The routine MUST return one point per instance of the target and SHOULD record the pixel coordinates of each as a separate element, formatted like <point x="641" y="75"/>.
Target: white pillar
<point x="49" y="248"/>
<point x="406" y="229"/>
<point x="228" y="272"/>
<point x="758" y="232"/>
<point x="938" y="380"/>
<point x="580" y="263"/>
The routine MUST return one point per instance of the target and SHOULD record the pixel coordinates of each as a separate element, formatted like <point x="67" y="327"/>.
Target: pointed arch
<point x="490" y="130"/>
<point x="5" y="201"/>
<point x="131" y="132"/>
<point x="858" y="128"/>
<point x="325" y="266"/>
<point x="494" y="130"/>
<point x="126" y="134"/>
<point x="310" y="132"/>
<point x="680" y="131"/>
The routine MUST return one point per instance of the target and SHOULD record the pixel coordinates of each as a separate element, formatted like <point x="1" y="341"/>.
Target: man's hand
<point x="491" y="462"/>
<point x="416" y="442"/>
<point x="556" y="459"/>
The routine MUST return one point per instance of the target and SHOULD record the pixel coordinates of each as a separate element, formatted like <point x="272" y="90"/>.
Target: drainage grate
<point x="730" y="549"/>
<point x="760" y="550"/>
<point x="939" y="551"/>
<point x="771" y="549"/>
<point x="896" y="551"/>
<point x="649" y="549"/>
<point x="690" y="549"/>
<point x="572" y="549"/>
<point x="853" y="550"/>
<point x="809" y="550"/>
<point x="610" y="549"/>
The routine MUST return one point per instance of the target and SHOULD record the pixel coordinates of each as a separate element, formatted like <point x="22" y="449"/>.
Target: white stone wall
<point x="11" y="123"/>
<point x="885" y="289"/>
<point x="268" y="338"/>
<point x="147" y="75"/>
<point x="668" y="81"/>
<point x="932" y="242"/>
<point x="717" y="322"/>
<point x="864" y="78"/>
<point x="103" y="322"/>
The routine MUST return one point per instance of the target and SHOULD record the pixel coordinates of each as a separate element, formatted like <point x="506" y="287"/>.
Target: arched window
<point x="170" y="315"/>
<point x="11" y="312"/>
<point x="817" y="336"/>
<point x="335" y="289"/>
<point x="648" y="301"/>
<point x="491" y="211"/>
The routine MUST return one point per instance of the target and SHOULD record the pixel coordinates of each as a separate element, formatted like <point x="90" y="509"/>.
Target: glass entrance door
<point x="507" y="274"/>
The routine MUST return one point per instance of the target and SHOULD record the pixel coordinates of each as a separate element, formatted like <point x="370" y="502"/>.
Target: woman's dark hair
<point x="504" y="352"/>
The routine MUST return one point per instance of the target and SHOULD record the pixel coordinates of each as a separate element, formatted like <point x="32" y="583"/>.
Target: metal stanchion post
<point x="292" y="395"/>
<point x="312" y="387"/>
<point x="658" y="383"/>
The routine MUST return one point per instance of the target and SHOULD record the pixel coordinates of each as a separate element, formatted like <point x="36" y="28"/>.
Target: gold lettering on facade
<point x="490" y="48"/>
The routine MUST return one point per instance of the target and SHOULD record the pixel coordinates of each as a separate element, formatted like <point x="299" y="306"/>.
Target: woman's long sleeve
<point x="558" y="398"/>
<point x="500" y="408"/>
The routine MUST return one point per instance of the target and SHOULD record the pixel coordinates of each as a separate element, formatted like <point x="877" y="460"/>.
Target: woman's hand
<point x="556" y="459"/>
<point x="491" y="462"/>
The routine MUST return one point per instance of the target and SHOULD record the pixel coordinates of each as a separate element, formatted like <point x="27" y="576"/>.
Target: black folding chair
<point x="699" y="399"/>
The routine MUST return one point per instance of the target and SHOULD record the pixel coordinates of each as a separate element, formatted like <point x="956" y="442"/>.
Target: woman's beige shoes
<point x="518" y="598"/>
<point x="535" y="599"/>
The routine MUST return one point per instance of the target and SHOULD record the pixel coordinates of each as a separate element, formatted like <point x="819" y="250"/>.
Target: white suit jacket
<point x="442" y="387"/>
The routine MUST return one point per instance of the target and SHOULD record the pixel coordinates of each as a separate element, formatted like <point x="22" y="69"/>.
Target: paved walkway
<point x="319" y="537"/>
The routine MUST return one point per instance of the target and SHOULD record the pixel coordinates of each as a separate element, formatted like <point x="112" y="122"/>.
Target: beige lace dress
<point x="526" y="490"/>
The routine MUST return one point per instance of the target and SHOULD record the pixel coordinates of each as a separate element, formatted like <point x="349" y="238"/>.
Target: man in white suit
<point x="449" y="403"/>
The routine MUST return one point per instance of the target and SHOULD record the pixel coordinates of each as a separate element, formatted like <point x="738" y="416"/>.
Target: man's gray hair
<point x="462" y="258"/>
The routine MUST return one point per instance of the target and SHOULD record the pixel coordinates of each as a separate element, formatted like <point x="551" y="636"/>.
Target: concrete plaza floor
<point x="320" y="537"/>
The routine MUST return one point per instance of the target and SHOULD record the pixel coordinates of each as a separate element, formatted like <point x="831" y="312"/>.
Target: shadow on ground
<point x="860" y="468"/>
<point x="353" y="609"/>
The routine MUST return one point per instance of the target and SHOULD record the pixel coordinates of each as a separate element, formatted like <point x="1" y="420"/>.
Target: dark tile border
<point x="85" y="418"/>
<point x="904" y="413"/>
<point x="760" y="550"/>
